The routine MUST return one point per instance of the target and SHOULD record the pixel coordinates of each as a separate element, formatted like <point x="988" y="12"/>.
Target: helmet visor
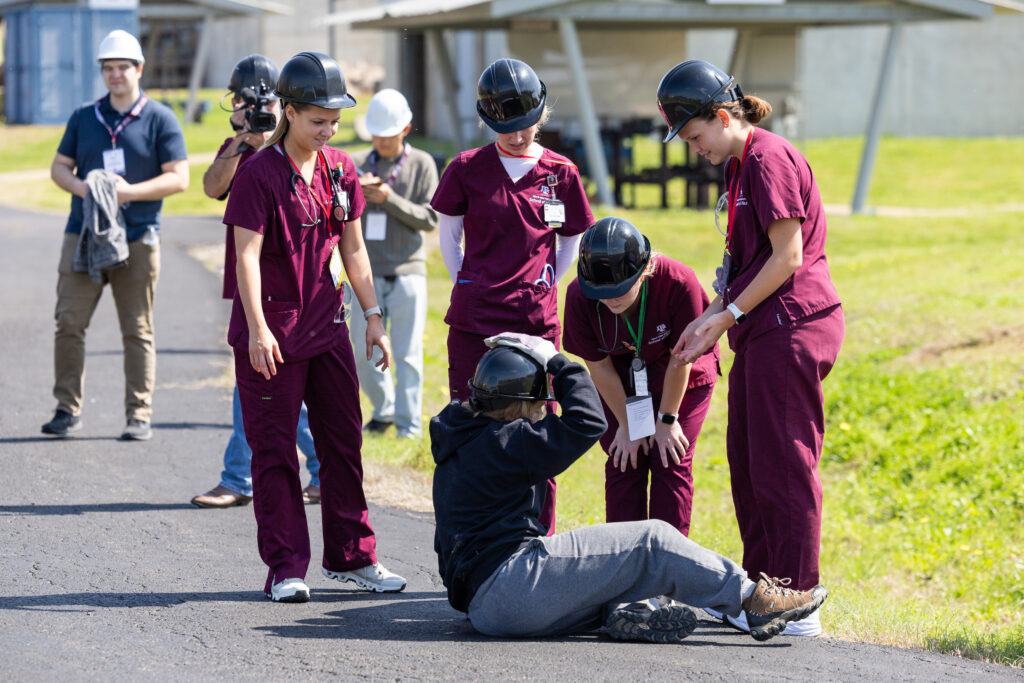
<point x="510" y="107"/>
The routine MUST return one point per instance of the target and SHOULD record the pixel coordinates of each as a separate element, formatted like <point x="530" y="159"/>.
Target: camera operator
<point x="255" y="110"/>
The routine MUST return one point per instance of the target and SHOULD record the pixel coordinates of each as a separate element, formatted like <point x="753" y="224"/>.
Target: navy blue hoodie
<point x="490" y="477"/>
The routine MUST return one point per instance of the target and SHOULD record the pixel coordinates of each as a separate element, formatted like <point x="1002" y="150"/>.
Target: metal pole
<point x="332" y="30"/>
<point x="449" y="84"/>
<point x="198" y="67"/>
<point x="588" y="119"/>
<point x="867" y="159"/>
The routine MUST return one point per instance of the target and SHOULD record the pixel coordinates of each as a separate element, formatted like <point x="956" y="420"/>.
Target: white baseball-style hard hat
<point x="388" y="114"/>
<point x="120" y="45"/>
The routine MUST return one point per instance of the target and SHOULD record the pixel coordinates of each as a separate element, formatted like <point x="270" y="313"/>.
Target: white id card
<point x="335" y="267"/>
<point x="376" y="226"/>
<point x="554" y="214"/>
<point x="640" y="382"/>
<point x="113" y="161"/>
<point x="639" y="417"/>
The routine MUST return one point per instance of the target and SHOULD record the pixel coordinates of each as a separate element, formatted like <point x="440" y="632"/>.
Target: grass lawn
<point x="923" y="465"/>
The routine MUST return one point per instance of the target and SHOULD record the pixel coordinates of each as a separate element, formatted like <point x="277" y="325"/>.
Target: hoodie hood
<point x="452" y="428"/>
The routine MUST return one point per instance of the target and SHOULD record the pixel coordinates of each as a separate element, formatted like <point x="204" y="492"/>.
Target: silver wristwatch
<point x="373" y="310"/>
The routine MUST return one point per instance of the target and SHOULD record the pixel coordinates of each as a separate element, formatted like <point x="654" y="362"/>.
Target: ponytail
<point x="750" y="108"/>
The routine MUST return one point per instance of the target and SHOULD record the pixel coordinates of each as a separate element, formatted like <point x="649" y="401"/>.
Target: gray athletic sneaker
<point x="372" y="577"/>
<point x="137" y="430"/>
<point x="62" y="424"/>
<point x="668" y="624"/>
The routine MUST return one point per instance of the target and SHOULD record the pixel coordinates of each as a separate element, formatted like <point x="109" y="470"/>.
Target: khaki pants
<point x="133" y="287"/>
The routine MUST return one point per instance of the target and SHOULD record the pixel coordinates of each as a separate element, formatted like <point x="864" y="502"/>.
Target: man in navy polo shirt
<point x="141" y="141"/>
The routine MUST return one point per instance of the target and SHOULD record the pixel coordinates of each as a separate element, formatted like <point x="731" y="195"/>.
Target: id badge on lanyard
<point x="554" y="209"/>
<point x="113" y="158"/>
<point x="639" y="406"/>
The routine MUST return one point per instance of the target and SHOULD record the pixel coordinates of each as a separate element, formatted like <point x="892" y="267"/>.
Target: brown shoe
<point x="773" y="605"/>
<point x="221" y="497"/>
<point x="311" y="495"/>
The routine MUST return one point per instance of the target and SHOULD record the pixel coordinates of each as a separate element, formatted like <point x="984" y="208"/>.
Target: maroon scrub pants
<point x="465" y="350"/>
<point x="774" y="438"/>
<point x="327" y="383"/>
<point x="671" y="499"/>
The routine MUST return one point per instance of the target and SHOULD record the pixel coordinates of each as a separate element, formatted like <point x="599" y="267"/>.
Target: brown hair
<point x="751" y="109"/>
<point x="532" y="411"/>
<point x="282" y="123"/>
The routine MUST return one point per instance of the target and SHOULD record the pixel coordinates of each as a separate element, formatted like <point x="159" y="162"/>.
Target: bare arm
<point x="174" y="179"/>
<point x="360" y="278"/>
<point x="62" y="172"/>
<point x="218" y="177"/>
<point x="264" y="351"/>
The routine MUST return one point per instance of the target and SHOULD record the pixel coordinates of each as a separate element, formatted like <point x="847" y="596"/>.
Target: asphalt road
<point x="107" y="573"/>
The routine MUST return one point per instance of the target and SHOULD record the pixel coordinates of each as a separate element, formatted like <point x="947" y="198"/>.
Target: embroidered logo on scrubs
<point x="545" y="189"/>
<point x="660" y="333"/>
<point x="741" y="200"/>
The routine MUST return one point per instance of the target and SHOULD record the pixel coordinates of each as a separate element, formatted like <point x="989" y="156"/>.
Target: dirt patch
<point x="995" y="342"/>
<point x="397" y="486"/>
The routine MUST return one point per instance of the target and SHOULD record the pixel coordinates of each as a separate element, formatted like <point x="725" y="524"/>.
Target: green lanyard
<point x="637" y="336"/>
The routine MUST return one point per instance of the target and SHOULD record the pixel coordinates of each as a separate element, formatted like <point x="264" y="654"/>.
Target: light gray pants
<point x="567" y="583"/>
<point x="404" y="302"/>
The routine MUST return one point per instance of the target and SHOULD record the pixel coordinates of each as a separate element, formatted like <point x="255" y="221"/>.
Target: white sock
<point x="747" y="590"/>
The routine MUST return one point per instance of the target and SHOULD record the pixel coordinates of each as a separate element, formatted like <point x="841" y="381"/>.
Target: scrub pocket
<point x="282" y="318"/>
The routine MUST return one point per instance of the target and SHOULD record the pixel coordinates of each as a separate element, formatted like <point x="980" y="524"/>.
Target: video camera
<point x="258" y="120"/>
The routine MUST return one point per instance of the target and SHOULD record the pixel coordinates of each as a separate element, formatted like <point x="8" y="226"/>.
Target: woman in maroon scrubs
<point x="777" y="302"/>
<point x="521" y="208"/>
<point x="622" y="315"/>
<point x="295" y="208"/>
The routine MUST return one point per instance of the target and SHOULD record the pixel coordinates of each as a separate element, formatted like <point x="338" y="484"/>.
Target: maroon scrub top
<point x="230" y="277"/>
<point x="299" y="298"/>
<point x="508" y="244"/>
<point x="775" y="183"/>
<point x="674" y="299"/>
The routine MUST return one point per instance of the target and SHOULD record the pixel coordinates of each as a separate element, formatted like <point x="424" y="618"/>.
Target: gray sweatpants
<point x="567" y="583"/>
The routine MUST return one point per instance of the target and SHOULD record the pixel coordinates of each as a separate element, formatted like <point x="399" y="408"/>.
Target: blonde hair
<point x="282" y="123"/>
<point x="751" y="109"/>
<point x="532" y="411"/>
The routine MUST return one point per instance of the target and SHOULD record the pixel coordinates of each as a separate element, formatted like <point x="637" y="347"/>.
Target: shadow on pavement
<point x="426" y="617"/>
<point x="165" y="352"/>
<point x="190" y="425"/>
<point x="55" y="439"/>
<point x="66" y="602"/>
<point x="83" y="508"/>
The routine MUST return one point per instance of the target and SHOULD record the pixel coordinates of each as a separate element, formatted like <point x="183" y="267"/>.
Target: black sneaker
<point x="377" y="426"/>
<point x="668" y="624"/>
<point x="62" y="424"/>
<point x="773" y="605"/>
<point x="137" y="430"/>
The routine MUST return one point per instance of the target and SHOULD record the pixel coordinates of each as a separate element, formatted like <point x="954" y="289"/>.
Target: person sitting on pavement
<point x="398" y="182"/>
<point x="494" y="455"/>
<point x="125" y="133"/>
<point x="251" y="87"/>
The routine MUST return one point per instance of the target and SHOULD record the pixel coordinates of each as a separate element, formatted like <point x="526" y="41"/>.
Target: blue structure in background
<point x="50" y="55"/>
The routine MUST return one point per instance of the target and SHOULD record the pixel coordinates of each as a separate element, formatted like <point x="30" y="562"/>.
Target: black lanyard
<point x="125" y="120"/>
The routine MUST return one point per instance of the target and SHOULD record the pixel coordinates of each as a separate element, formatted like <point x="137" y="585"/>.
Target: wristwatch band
<point x="666" y="418"/>
<point x="736" y="312"/>
<point x="373" y="310"/>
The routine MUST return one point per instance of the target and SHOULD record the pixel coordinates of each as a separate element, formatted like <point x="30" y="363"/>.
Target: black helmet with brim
<point x="256" y="73"/>
<point x="613" y="256"/>
<point x="505" y="375"/>
<point x="689" y="88"/>
<point x="314" y="78"/>
<point x="510" y="96"/>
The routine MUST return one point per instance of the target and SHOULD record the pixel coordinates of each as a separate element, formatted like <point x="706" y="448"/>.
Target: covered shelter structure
<point x="603" y="57"/>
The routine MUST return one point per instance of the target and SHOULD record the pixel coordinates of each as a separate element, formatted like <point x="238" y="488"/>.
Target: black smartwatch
<point x="666" y="418"/>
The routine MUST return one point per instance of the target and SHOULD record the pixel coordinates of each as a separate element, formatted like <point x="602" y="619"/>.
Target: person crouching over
<point x="494" y="455"/>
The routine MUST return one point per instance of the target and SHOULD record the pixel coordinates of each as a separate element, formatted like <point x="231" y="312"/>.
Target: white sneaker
<point x="808" y="627"/>
<point x="372" y="577"/>
<point x="739" y="622"/>
<point x="289" y="590"/>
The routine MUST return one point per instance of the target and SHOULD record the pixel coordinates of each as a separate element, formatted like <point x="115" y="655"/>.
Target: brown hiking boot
<point x="773" y="605"/>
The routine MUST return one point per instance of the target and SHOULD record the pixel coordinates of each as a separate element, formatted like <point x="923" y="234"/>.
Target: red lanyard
<point x="510" y="154"/>
<point x="733" y="191"/>
<point x="125" y="120"/>
<point x="327" y="172"/>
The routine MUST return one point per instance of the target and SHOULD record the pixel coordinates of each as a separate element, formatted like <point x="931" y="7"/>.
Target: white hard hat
<point x="120" y="45"/>
<point x="388" y="113"/>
